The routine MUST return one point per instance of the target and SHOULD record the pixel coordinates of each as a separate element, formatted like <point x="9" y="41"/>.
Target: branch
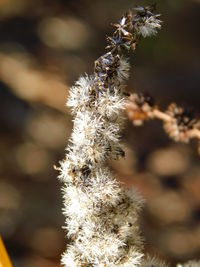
<point x="180" y="124"/>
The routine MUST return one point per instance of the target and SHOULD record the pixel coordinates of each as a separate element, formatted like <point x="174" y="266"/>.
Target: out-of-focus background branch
<point x="44" y="47"/>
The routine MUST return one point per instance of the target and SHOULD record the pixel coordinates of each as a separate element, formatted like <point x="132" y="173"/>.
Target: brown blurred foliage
<point x="44" y="47"/>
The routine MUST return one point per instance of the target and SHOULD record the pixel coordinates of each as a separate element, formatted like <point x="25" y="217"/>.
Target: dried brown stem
<point x="161" y="115"/>
<point x="178" y="123"/>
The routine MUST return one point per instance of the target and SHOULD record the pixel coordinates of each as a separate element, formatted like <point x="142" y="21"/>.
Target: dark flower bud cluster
<point x="141" y="22"/>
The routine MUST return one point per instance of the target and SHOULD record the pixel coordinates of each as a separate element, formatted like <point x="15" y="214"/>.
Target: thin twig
<point x="179" y="123"/>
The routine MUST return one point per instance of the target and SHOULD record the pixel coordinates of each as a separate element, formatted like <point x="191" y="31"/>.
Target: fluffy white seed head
<point x="123" y="70"/>
<point x="111" y="105"/>
<point x="132" y="258"/>
<point x="81" y="94"/>
<point x="104" y="188"/>
<point x="70" y="258"/>
<point x="149" y="26"/>
<point x="153" y="262"/>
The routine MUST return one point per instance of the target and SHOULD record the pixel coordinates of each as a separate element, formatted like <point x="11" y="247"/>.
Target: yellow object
<point x="4" y="259"/>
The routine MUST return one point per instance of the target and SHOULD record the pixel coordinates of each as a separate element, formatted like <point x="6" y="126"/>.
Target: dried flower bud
<point x="140" y="108"/>
<point x="182" y="121"/>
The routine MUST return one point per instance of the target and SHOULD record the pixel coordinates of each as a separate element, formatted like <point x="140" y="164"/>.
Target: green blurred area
<point x="44" y="47"/>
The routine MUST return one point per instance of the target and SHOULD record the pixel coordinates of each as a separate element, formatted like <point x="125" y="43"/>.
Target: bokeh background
<point x="44" y="47"/>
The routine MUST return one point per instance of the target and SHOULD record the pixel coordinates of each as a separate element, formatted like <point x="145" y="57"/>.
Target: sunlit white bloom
<point x="132" y="258"/>
<point x="81" y="94"/>
<point x="70" y="259"/>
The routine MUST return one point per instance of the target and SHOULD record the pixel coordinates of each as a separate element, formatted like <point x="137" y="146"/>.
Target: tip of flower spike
<point x="141" y="21"/>
<point x="146" y="22"/>
<point x="148" y="9"/>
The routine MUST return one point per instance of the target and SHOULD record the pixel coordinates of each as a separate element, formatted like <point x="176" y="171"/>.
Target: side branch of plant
<point x="179" y="123"/>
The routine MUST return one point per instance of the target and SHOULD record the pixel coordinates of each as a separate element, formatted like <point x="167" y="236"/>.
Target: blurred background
<point x="44" y="47"/>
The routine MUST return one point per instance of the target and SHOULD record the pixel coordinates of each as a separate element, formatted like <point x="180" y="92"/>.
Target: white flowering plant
<point x="101" y="216"/>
